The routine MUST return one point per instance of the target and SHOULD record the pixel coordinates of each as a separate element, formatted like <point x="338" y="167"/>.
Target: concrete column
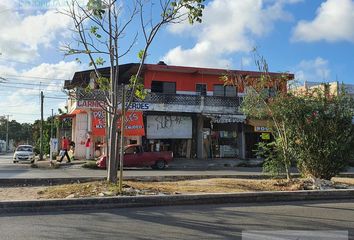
<point x="89" y="120"/>
<point x="242" y="142"/>
<point x="90" y="150"/>
<point x="200" y="144"/>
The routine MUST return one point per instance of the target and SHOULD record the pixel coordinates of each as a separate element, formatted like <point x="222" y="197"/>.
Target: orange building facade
<point x="188" y="110"/>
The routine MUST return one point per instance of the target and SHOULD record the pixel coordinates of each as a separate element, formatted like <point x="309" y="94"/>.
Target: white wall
<point x="80" y="129"/>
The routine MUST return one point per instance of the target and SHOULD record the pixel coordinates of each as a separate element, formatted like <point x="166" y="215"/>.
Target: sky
<point x="314" y="39"/>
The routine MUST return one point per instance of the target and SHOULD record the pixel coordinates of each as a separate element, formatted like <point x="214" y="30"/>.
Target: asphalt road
<point x="185" y="222"/>
<point x="10" y="170"/>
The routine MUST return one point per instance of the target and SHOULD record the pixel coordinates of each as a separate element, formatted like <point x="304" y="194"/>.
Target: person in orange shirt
<point x="64" y="149"/>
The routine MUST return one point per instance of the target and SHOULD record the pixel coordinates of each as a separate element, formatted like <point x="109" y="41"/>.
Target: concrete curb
<point x="168" y="200"/>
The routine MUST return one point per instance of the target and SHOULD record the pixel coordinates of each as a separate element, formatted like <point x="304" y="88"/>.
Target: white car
<point x="24" y="153"/>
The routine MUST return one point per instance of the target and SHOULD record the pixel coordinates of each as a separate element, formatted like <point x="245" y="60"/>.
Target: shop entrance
<point x="181" y="148"/>
<point x="252" y="139"/>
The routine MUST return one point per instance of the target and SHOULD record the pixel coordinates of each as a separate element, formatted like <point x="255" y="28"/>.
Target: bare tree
<point x="100" y="28"/>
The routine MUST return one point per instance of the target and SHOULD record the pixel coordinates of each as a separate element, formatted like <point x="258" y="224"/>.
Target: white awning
<point x="221" y="118"/>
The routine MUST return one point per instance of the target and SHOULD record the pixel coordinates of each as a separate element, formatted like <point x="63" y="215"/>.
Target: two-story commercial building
<point x="188" y="110"/>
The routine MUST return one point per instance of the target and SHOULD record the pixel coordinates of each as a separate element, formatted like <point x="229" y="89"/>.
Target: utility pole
<point x="41" y="130"/>
<point x="51" y="139"/>
<point x="7" y="133"/>
<point x="51" y="125"/>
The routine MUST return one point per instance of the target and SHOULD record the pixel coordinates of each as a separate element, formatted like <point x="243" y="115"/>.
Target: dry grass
<point x="215" y="185"/>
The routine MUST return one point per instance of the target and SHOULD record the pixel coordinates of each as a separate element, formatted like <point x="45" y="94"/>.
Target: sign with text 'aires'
<point x="168" y="127"/>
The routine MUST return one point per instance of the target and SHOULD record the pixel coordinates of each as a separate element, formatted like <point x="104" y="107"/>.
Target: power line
<point x="31" y="84"/>
<point x="45" y="78"/>
<point x="47" y="90"/>
<point x="56" y="98"/>
<point x="27" y="114"/>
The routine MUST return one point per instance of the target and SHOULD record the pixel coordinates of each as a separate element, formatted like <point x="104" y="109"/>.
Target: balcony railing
<point x="172" y="99"/>
<point x="184" y="99"/>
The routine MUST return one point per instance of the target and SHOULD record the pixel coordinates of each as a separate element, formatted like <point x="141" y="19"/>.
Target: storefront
<point x="256" y="131"/>
<point x="169" y="133"/>
<point x="89" y="128"/>
<point x="223" y="136"/>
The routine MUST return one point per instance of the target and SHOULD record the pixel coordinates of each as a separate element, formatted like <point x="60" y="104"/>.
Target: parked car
<point x="24" y="153"/>
<point x="135" y="156"/>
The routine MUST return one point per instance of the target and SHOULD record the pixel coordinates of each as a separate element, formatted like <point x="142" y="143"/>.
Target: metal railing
<point x="173" y="99"/>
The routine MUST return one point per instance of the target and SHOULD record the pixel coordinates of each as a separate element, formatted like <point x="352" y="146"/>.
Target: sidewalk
<point x="183" y="164"/>
<point x="213" y="164"/>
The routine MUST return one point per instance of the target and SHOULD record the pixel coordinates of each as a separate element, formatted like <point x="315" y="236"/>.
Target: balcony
<point x="178" y="102"/>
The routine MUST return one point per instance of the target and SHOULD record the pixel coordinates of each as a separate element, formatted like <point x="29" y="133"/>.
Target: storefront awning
<point x="71" y="115"/>
<point x="63" y="116"/>
<point x="220" y="118"/>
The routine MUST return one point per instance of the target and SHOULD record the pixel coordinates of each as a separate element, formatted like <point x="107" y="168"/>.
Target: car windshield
<point x="25" y="149"/>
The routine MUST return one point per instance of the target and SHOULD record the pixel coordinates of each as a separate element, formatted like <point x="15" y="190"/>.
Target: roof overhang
<point x="221" y="118"/>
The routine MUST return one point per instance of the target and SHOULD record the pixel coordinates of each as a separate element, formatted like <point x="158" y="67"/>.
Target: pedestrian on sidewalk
<point x="72" y="148"/>
<point x="64" y="149"/>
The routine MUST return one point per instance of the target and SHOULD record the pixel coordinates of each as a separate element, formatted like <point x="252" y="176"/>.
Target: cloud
<point x="228" y="27"/>
<point x="334" y="21"/>
<point x="23" y="35"/>
<point x="314" y="70"/>
<point x="23" y="103"/>
<point x="61" y="70"/>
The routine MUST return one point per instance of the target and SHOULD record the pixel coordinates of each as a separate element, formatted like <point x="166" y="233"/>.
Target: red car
<point x="134" y="156"/>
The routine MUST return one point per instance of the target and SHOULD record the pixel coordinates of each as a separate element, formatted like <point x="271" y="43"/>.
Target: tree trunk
<point x="112" y="159"/>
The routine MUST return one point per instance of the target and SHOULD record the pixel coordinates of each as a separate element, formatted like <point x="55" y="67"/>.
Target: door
<point x="252" y="139"/>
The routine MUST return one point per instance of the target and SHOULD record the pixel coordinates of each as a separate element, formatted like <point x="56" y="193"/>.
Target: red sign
<point x="134" y="124"/>
<point x="99" y="123"/>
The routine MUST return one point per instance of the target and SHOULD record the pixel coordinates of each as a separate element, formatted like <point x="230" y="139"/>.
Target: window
<point x="230" y="91"/>
<point x="132" y="150"/>
<point x="163" y="87"/>
<point x="219" y="90"/>
<point x="269" y="92"/>
<point x="201" y="89"/>
<point x="224" y="91"/>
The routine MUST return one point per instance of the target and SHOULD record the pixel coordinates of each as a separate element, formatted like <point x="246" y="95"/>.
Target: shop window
<point x="163" y="87"/>
<point x="224" y="144"/>
<point x="201" y="89"/>
<point x="224" y="91"/>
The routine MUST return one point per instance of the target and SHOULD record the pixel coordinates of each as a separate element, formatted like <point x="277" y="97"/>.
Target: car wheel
<point x="160" y="164"/>
<point x="15" y="161"/>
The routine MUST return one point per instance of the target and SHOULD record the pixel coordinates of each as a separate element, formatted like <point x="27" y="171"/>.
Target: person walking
<point x="64" y="149"/>
<point x="72" y="148"/>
